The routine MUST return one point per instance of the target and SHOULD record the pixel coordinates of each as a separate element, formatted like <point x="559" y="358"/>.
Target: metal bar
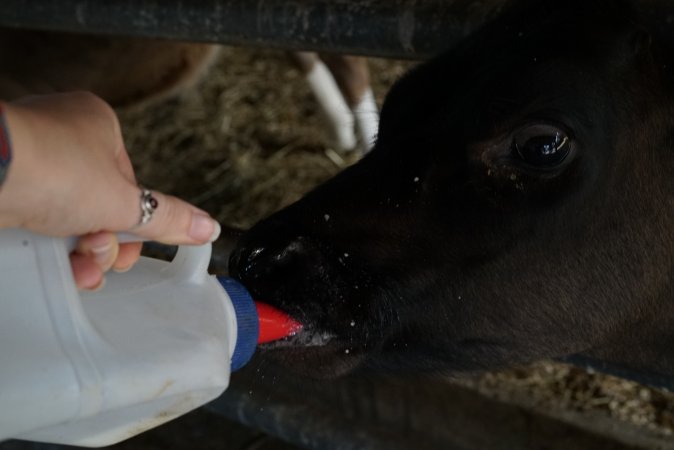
<point x="413" y="412"/>
<point x="389" y="28"/>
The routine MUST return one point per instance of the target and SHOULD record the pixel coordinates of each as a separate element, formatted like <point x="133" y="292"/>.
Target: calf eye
<point x="541" y="146"/>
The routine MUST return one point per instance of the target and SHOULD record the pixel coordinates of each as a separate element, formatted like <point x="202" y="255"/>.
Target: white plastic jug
<point x="92" y="369"/>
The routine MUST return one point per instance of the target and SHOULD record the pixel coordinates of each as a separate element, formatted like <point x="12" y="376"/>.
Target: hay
<point x="241" y="144"/>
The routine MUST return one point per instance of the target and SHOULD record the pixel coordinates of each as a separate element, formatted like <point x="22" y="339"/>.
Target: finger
<point x="128" y="255"/>
<point x="88" y="275"/>
<point x="175" y="221"/>
<point x="102" y="246"/>
<point x="125" y="166"/>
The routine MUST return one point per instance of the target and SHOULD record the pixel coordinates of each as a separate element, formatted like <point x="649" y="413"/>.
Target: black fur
<point x="443" y="251"/>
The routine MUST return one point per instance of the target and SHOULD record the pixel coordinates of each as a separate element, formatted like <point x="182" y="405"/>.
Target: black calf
<point x="518" y="204"/>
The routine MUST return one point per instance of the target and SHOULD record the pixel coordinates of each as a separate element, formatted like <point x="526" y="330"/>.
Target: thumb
<point x="175" y="221"/>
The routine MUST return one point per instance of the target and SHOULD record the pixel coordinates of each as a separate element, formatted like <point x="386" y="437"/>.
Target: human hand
<point x="71" y="176"/>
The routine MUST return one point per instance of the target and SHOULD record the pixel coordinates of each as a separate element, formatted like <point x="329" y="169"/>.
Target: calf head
<point x="518" y="204"/>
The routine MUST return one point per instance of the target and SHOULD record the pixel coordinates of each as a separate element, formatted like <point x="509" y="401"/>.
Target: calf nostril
<point x="254" y="262"/>
<point x="237" y="260"/>
<point x="255" y="254"/>
<point x="290" y="251"/>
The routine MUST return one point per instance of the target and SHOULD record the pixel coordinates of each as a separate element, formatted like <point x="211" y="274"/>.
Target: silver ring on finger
<point x="148" y="205"/>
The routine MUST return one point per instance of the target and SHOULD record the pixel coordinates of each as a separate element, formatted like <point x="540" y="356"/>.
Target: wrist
<point x="15" y="155"/>
<point x="5" y="146"/>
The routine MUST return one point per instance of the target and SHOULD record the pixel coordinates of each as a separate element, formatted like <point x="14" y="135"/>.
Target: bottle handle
<point x="190" y="262"/>
<point x="122" y="238"/>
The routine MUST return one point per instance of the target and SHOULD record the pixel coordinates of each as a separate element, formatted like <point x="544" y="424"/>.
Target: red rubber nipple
<point x="274" y="324"/>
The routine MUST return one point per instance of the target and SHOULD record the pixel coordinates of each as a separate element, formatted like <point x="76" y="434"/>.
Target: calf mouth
<point x="332" y="341"/>
<point x="304" y="338"/>
<point x="315" y="353"/>
<point x="324" y="284"/>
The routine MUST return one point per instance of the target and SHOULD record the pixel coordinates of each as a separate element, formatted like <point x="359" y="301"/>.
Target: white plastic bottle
<point x="92" y="369"/>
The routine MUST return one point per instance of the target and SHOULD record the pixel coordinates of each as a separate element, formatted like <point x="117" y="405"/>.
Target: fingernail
<point x="122" y="269"/>
<point x="98" y="286"/>
<point x="204" y="228"/>
<point x="102" y="253"/>
<point x="216" y="232"/>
